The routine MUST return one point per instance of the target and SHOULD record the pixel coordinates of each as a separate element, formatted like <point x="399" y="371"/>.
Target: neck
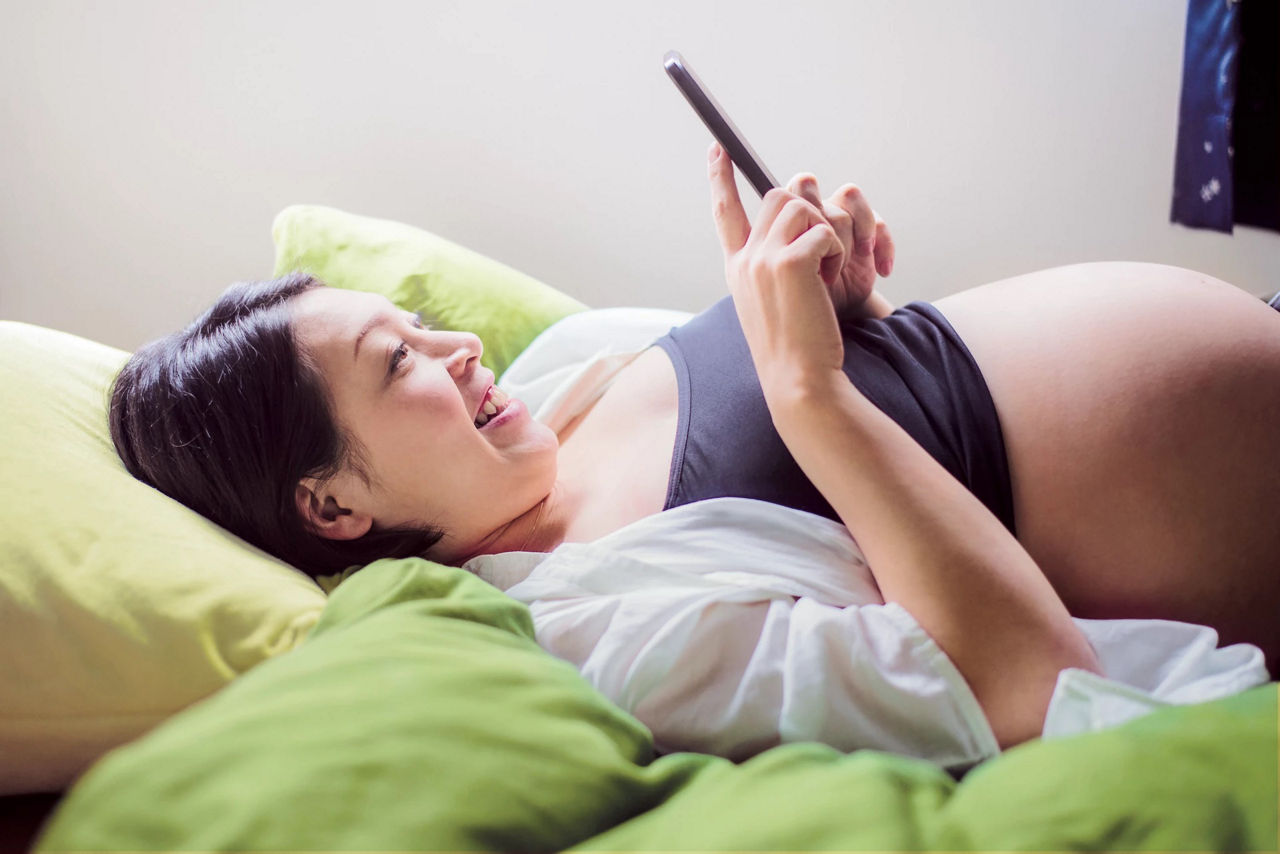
<point x="539" y="529"/>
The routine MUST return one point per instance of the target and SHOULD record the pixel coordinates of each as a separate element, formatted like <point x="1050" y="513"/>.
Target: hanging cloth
<point x="1227" y="167"/>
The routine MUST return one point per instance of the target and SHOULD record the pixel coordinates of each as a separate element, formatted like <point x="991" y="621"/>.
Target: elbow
<point x="1016" y="708"/>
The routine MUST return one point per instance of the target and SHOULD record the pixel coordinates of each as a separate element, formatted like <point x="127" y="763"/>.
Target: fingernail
<point x="888" y="267"/>
<point x="713" y="152"/>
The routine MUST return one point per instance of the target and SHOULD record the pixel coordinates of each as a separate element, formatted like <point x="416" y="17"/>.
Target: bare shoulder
<point x="622" y="447"/>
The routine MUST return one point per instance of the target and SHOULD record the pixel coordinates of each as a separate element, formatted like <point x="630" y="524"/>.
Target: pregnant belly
<point x="1138" y="403"/>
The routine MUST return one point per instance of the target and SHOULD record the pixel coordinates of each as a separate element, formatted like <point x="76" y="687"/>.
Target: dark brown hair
<point x="229" y="414"/>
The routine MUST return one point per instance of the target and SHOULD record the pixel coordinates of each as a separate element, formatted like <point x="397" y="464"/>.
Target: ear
<point x="325" y="516"/>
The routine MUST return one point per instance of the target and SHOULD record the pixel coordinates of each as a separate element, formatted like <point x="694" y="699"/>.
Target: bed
<point x="164" y="686"/>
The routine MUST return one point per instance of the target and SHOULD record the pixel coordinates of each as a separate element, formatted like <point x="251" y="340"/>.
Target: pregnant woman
<point x="1090" y="441"/>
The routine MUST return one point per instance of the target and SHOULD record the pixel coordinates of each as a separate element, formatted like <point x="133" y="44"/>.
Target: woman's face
<point x="410" y="396"/>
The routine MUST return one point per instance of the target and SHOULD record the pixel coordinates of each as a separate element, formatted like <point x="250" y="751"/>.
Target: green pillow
<point x="451" y="286"/>
<point x="419" y="715"/>
<point x="118" y="606"/>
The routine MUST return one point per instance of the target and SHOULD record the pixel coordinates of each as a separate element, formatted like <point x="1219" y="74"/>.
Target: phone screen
<point x="718" y="123"/>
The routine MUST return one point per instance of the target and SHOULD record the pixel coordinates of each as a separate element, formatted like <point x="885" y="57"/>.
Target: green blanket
<point x="421" y="715"/>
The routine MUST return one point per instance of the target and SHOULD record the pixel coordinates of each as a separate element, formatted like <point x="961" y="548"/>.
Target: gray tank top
<point x="912" y="365"/>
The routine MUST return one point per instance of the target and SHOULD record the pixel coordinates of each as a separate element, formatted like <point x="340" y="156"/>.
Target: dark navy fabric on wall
<point x="1255" y="124"/>
<point x="1228" y="150"/>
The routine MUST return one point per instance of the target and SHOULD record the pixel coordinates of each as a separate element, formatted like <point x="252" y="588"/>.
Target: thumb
<point x="732" y="223"/>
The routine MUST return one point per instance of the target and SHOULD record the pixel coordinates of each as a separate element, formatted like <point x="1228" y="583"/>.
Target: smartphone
<point x="724" y="130"/>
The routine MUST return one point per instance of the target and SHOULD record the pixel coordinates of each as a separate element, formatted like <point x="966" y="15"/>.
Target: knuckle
<point x="775" y="195"/>
<point x="797" y="206"/>
<point x="852" y="192"/>
<point x="790" y="260"/>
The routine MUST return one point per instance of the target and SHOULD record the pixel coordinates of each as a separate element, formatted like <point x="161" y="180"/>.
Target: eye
<point x="402" y="352"/>
<point x="397" y="356"/>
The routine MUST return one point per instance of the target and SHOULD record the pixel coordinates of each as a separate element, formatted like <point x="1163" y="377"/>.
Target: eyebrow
<point x="370" y="325"/>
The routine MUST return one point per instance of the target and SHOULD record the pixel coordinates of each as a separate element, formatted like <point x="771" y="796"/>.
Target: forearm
<point x="936" y="550"/>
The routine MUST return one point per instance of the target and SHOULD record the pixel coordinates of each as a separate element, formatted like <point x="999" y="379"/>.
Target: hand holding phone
<point x="773" y="268"/>
<point x="868" y="246"/>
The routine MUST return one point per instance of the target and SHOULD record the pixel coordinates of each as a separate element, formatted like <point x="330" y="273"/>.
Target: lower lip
<point x="509" y="414"/>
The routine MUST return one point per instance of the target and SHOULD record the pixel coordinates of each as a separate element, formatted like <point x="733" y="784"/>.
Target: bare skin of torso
<point x="1140" y="408"/>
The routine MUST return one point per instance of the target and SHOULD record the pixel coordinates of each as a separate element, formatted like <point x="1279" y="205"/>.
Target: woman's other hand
<point x="779" y="271"/>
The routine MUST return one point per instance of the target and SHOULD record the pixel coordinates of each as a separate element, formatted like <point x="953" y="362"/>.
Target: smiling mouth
<point x="494" y="405"/>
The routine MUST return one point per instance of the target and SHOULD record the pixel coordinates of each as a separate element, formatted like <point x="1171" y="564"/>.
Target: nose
<point x="464" y="349"/>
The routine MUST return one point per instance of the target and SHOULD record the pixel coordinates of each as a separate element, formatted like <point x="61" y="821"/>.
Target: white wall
<point x="147" y="145"/>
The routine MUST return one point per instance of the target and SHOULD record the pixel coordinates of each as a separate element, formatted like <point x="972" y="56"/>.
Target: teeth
<point x="496" y="402"/>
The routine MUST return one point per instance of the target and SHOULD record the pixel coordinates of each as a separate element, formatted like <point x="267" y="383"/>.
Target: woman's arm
<point x="936" y="550"/>
<point x="933" y="547"/>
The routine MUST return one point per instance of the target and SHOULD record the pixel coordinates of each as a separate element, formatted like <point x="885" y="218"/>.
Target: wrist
<point x="800" y="395"/>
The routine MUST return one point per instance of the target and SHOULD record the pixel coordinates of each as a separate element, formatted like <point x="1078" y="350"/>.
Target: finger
<point x="732" y="223"/>
<point x="884" y="248"/>
<point x="841" y="222"/>
<point x="805" y="185"/>
<point x="771" y="206"/>
<point x="814" y="247"/>
<point x="797" y="218"/>
<point x="851" y="199"/>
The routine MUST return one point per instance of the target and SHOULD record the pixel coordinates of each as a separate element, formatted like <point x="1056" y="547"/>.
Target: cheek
<point x="436" y="432"/>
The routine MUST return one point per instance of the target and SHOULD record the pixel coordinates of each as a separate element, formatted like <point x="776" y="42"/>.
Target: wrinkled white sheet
<point x="731" y="625"/>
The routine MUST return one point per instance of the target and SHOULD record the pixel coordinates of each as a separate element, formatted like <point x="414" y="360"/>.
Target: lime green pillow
<point x="118" y="606"/>
<point x="420" y="715"/>
<point x="450" y="285"/>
